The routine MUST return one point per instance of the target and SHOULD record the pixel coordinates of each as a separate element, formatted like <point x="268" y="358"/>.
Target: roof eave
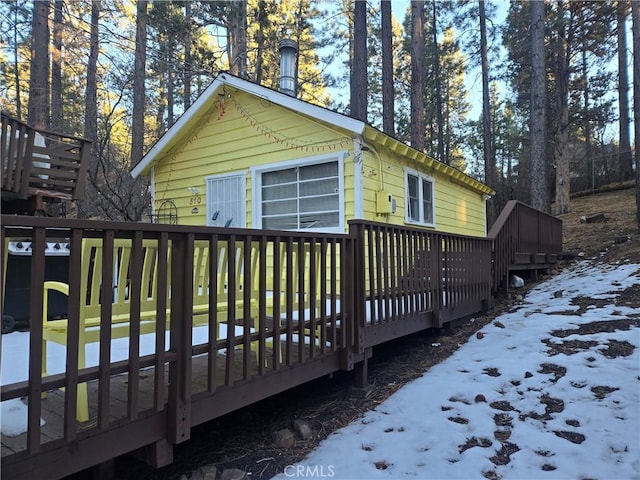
<point x="379" y="138"/>
<point x="165" y="141"/>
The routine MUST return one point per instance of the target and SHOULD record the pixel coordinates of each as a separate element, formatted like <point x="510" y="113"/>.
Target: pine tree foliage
<point x="190" y="41"/>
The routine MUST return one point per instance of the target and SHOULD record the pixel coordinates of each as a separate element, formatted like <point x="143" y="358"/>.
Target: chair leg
<point x="83" y="396"/>
<point x="255" y="347"/>
<point x="83" y="403"/>
<point x="44" y="364"/>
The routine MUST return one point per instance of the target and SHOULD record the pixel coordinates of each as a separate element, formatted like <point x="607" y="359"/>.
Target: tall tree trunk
<point x="625" y="159"/>
<point x="187" y="55"/>
<point x="16" y="64"/>
<point x="56" y="69"/>
<point x="91" y="94"/>
<point x="242" y="37"/>
<point x="137" y="120"/>
<point x="39" y="86"/>
<point x="417" y="130"/>
<point x="260" y="39"/>
<point x="586" y="121"/>
<point x="170" y="58"/>
<point x="237" y="39"/>
<point x="358" y="83"/>
<point x="87" y="208"/>
<point x="438" y="85"/>
<point x="562" y="160"/>
<point x="388" y="92"/>
<point x="487" y="143"/>
<point x="635" y="13"/>
<point x="170" y="86"/>
<point x="539" y="187"/>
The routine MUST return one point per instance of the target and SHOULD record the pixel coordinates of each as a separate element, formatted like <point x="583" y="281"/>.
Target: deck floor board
<point x="53" y="402"/>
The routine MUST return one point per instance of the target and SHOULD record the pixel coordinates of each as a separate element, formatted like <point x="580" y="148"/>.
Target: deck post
<point x="362" y="370"/>
<point x="436" y="275"/>
<point x="179" y="405"/>
<point x="157" y="455"/>
<point x="362" y="373"/>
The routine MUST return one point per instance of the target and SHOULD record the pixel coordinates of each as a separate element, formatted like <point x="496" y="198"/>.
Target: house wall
<point x="242" y="132"/>
<point x="458" y="209"/>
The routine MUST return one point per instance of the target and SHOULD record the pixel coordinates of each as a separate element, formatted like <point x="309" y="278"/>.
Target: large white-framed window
<point x="305" y="194"/>
<point x="419" y="198"/>
<point x="226" y="200"/>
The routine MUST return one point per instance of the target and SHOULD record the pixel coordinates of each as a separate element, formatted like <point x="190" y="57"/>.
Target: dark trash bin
<point x="17" y="289"/>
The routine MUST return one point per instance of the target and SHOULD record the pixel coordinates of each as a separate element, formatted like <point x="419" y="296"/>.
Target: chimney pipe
<point x="288" y="66"/>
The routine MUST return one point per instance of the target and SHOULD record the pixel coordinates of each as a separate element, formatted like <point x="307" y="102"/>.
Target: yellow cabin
<point x="247" y="156"/>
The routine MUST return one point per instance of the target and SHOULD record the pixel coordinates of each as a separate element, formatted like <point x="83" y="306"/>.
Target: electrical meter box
<point x="385" y="203"/>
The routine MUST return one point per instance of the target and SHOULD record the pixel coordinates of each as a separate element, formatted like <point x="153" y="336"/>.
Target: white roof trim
<point x="203" y="102"/>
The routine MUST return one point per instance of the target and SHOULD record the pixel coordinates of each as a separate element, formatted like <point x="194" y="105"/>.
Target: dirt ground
<point x="244" y="439"/>
<point x="615" y="239"/>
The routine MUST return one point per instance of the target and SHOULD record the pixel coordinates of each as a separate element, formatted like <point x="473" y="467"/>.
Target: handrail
<point x="38" y="162"/>
<point x="44" y="131"/>
<point x="522" y="234"/>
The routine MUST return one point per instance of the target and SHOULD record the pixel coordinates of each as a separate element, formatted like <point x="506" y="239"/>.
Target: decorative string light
<point x="290" y="142"/>
<point x="219" y="110"/>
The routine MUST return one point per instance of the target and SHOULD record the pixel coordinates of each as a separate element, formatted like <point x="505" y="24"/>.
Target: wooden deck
<point x="354" y="291"/>
<point x="53" y="403"/>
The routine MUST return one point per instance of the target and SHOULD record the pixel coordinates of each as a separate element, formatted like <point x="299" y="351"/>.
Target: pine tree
<point x="624" y="154"/>
<point x="417" y="121"/>
<point x="39" y="88"/>
<point x="539" y="191"/>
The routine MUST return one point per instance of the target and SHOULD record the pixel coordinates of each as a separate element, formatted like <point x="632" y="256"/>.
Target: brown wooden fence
<point x="236" y="316"/>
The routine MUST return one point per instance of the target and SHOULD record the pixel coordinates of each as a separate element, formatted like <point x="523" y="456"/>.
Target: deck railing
<point x="408" y="279"/>
<point x="523" y="237"/>
<point x="238" y="315"/>
<point x="39" y="162"/>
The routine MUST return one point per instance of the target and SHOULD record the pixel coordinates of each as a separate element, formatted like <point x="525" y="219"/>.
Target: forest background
<point x="555" y="115"/>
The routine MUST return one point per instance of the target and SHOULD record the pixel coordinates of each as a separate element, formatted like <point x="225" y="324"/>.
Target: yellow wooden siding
<point x="457" y="208"/>
<point x="249" y="131"/>
<point x="245" y="132"/>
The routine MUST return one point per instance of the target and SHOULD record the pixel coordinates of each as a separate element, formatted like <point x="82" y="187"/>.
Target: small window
<point x="419" y="198"/>
<point x="226" y="200"/>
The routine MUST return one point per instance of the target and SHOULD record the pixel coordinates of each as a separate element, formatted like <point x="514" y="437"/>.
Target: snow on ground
<point x="534" y="421"/>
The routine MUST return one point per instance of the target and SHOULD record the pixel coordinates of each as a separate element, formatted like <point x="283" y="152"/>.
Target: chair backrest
<point x="298" y="276"/>
<point x="225" y="256"/>
<point x="92" y="268"/>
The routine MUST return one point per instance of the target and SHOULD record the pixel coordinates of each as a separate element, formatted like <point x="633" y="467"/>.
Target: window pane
<point x="276" y="192"/>
<point x="319" y="204"/>
<point x="413" y="209"/>
<point x="280" y="223"/>
<point x="427" y="205"/>
<point x="318" y="187"/>
<point x="279" y="176"/>
<point x="321" y="170"/>
<point x="280" y="207"/>
<point x="321" y="220"/>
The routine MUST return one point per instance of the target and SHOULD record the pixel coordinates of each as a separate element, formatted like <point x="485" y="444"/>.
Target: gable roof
<point x="194" y="114"/>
